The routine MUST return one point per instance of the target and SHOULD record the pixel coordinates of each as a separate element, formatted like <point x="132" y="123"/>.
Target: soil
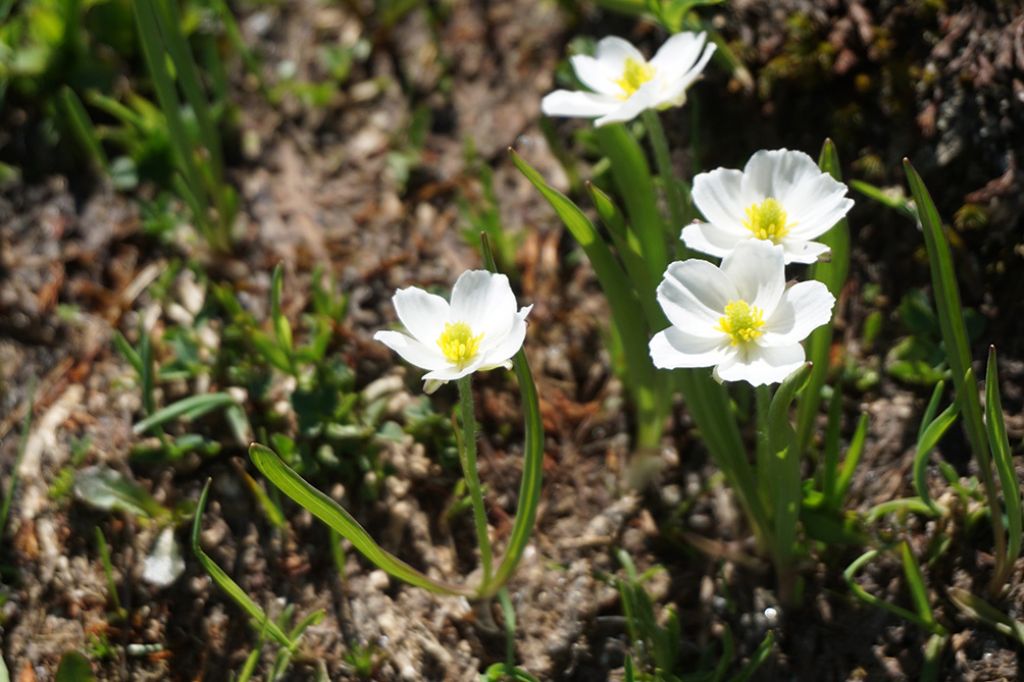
<point x="940" y="83"/>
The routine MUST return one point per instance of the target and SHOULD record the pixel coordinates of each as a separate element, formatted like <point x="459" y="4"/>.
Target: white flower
<point x="479" y="330"/>
<point x="740" y="317"/>
<point x="624" y="84"/>
<point x="781" y="196"/>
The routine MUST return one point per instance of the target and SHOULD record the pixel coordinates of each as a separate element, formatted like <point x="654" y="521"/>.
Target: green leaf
<point x="108" y="489"/>
<point x="915" y="582"/>
<point x="229" y="586"/>
<point x="192" y="407"/>
<point x="83" y="128"/>
<point x="1003" y="459"/>
<point x="74" y="667"/>
<point x="282" y="329"/>
<point x="833" y="275"/>
<point x="850" y="461"/>
<point x="636" y="188"/>
<point x="954" y="336"/>
<point x="335" y="516"/>
<point x="926" y="442"/>
<point x="981" y="610"/>
<point x="850" y="576"/>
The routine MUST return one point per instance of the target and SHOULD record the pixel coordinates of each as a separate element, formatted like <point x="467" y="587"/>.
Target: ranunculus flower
<point x="780" y="196"/>
<point x="739" y="318"/>
<point x="624" y="84"/>
<point x="480" y="330"/>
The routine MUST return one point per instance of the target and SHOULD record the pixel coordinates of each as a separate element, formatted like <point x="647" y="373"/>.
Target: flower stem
<point x="673" y="187"/>
<point x="469" y="471"/>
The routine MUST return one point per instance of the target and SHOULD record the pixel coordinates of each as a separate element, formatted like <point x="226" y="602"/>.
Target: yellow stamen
<point x="742" y="322"/>
<point x="458" y="343"/>
<point x="635" y="74"/>
<point x="767" y="220"/>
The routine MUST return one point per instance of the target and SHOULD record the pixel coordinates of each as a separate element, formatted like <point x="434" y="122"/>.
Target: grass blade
<point x="849" y="575"/>
<point x="83" y="128"/>
<point x="335" y="516"/>
<point x="1000" y="444"/>
<point x="929" y="438"/>
<point x="915" y="582"/>
<point x="192" y="407"/>
<point x="229" y="586"/>
<point x="852" y="458"/>
<point x="833" y="275"/>
<point x="981" y="610"/>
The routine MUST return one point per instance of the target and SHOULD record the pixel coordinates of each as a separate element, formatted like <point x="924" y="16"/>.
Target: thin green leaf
<point x="191" y="407"/>
<point x="107" y="489"/>
<point x="230" y="587"/>
<point x="850" y="574"/>
<point x="830" y="459"/>
<point x="932" y="409"/>
<point x="929" y="438"/>
<point x="954" y="336"/>
<point x="282" y="329"/>
<point x="533" y="467"/>
<point x="852" y="459"/>
<point x="636" y="187"/>
<point x="784" y="469"/>
<point x="129" y="353"/>
<point x="1003" y="459"/>
<point x="83" y="128"/>
<point x="833" y="275"/>
<point x="331" y="513"/>
<point x="981" y="610"/>
<point x="764" y="649"/>
<point x="915" y="582"/>
<point x="895" y="202"/>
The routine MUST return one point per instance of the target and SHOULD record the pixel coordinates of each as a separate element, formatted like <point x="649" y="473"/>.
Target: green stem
<point x="662" y="157"/>
<point x="469" y="470"/>
<point x="509" y="613"/>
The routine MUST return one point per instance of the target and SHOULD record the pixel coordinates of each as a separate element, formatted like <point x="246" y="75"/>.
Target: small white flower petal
<point x="412" y="351"/>
<point x="674" y="90"/>
<point x="693" y="295"/>
<point x="679" y="53"/>
<point x="774" y="173"/>
<point x="422" y="314"/>
<point x="673" y="348"/>
<point x="718" y="195"/>
<point x="799" y="251"/>
<point x="644" y="98"/>
<point x="584" y="104"/>
<point x="707" y="238"/>
<point x="758" y="270"/>
<point x="453" y="372"/>
<point x="821" y="217"/>
<point x="484" y="300"/>
<point x="805" y="306"/>
<point x="595" y="74"/>
<point x="499" y="354"/>
<point x="614" y="52"/>
<point x="760" y="365"/>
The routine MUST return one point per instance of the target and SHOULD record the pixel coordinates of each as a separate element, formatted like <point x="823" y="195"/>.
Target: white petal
<point x="509" y="345"/>
<point x="595" y="74"/>
<point x="799" y="251"/>
<point x="693" y="295"/>
<point x="484" y="300"/>
<point x="673" y="348"/>
<point x="411" y="350"/>
<point x="761" y="365"/>
<point x="453" y="372"/>
<point x="757" y="268"/>
<point x="678" y="53"/>
<point x="583" y="104"/>
<point x="775" y="173"/>
<point x="718" y="195"/>
<point x="647" y="97"/>
<point x="614" y="52"/>
<point x="422" y="314"/>
<point x="708" y="238"/>
<point x="805" y="306"/>
<point x="817" y="219"/>
<point x="675" y="84"/>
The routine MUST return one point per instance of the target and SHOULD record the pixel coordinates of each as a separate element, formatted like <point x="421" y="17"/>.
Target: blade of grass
<point x="918" y="591"/>
<point x="635" y="185"/>
<point x="981" y="610"/>
<point x="336" y="517"/>
<point x="833" y="275"/>
<point x="852" y="459"/>
<point x="229" y="586"/>
<point x="1003" y="459"/>
<point x="954" y="336"/>
<point x="850" y="574"/>
<point x="191" y="407"/>
<point x="533" y="465"/>
<point x="84" y="129"/>
<point x="929" y="438"/>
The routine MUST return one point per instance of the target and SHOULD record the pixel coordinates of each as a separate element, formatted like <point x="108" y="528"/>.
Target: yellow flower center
<point x="742" y="322"/>
<point x="767" y="220"/>
<point x="634" y="75"/>
<point x="458" y="343"/>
